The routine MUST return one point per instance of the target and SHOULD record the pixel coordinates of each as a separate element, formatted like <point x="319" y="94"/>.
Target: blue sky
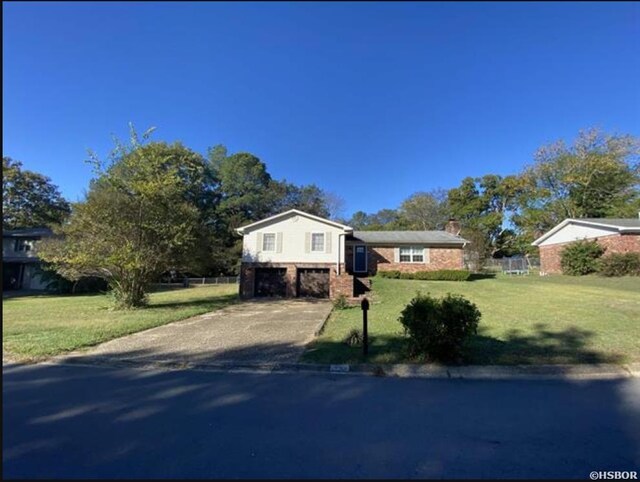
<point x="372" y="101"/>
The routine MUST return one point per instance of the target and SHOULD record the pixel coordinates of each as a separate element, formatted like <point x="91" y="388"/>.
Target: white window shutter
<point x="278" y="242"/>
<point x="307" y="242"/>
<point x="327" y="242"/>
<point x="425" y="255"/>
<point x="396" y="255"/>
<point x="258" y="242"/>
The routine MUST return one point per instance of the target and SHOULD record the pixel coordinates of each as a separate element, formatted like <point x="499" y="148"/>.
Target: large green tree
<point x="483" y="205"/>
<point x="425" y="210"/>
<point x="29" y="199"/>
<point x="597" y="176"/>
<point x="141" y="217"/>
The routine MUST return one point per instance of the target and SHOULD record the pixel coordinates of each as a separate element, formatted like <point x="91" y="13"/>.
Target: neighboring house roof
<point x="628" y="225"/>
<point x="277" y="217"/>
<point x="26" y="233"/>
<point x="21" y="259"/>
<point x="408" y="237"/>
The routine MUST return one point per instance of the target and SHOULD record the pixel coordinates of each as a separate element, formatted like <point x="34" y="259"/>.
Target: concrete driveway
<point x="253" y="331"/>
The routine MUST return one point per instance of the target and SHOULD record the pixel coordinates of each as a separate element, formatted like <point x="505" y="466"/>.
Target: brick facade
<point x="381" y="258"/>
<point x="338" y="284"/>
<point x="378" y="258"/>
<point x="616" y="243"/>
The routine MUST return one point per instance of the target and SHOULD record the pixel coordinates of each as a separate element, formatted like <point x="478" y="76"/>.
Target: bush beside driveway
<point x="525" y="320"/>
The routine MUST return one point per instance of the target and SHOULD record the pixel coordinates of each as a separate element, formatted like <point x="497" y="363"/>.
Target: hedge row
<point x="586" y="257"/>
<point x="439" y="275"/>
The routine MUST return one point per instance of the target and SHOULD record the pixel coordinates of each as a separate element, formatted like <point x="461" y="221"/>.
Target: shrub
<point x="341" y="303"/>
<point x="354" y="338"/>
<point x="390" y="274"/>
<point x="439" y="327"/>
<point x="581" y="257"/>
<point x="620" y="264"/>
<point x="439" y="275"/>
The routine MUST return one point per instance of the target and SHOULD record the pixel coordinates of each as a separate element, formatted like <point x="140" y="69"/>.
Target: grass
<point x="525" y="320"/>
<point x="38" y="327"/>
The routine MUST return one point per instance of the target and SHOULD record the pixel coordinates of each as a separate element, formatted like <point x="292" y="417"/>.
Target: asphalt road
<point x="76" y="422"/>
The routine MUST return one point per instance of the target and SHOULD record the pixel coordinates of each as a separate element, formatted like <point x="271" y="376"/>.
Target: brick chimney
<point x="452" y="227"/>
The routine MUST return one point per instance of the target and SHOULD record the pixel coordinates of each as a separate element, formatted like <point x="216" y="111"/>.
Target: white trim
<point x="366" y="258"/>
<point x="324" y="242"/>
<point x="275" y="243"/>
<point x="554" y="230"/>
<point x="242" y="229"/>
<point x="416" y="250"/>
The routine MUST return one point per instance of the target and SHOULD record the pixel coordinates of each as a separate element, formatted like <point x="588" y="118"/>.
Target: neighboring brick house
<point x="296" y="254"/>
<point x="20" y="262"/>
<point x="615" y="235"/>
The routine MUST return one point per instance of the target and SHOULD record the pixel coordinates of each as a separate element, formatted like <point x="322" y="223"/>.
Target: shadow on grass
<point x="213" y="302"/>
<point x="569" y="346"/>
<point x="481" y="276"/>
<point x="544" y="346"/>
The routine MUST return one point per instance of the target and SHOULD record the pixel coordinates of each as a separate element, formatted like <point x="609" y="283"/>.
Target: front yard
<point x="525" y="320"/>
<point x="37" y="327"/>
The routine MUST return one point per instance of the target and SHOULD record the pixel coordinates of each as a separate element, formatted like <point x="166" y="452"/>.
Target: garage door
<point x="271" y="282"/>
<point x="313" y="283"/>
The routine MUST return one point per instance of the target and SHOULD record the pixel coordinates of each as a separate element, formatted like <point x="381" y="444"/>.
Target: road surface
<point x="76" y="422"/>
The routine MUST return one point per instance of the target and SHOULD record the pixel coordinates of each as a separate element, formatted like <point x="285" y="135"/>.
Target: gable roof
<point x="272" y="219"/>
<point x="409" y="237"/>
<point x="622" y="225"/>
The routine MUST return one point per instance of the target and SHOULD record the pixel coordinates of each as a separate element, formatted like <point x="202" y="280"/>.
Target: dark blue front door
<point x="360" y="261"/>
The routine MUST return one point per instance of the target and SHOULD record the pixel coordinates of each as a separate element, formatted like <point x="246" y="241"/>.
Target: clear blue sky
<point x="372" y="101"/>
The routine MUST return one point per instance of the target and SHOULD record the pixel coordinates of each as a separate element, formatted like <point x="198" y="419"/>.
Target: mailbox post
<point x="365" y="332"/>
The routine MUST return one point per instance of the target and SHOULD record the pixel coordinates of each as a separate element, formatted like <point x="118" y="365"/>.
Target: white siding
<point x="293" y="234"/>
<point x="573" y="232"/>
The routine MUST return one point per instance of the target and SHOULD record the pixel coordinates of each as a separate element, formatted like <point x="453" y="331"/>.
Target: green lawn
<point x="37" y="327"/>
<point x="525" y="320"/>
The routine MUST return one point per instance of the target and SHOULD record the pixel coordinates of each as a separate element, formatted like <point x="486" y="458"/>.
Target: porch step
<point x="361" y="285"/>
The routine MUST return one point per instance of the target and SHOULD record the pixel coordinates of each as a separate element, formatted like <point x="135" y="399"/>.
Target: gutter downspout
<point x="338" y="260"/>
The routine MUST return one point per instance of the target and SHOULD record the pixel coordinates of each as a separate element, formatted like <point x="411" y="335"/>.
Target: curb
<point x="480" y="372"/>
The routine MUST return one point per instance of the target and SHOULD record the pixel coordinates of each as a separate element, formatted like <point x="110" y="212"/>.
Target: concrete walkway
<point x="273" y="331"/>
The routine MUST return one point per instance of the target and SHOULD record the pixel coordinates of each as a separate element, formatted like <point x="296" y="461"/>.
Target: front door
<point x="360" y="259"/>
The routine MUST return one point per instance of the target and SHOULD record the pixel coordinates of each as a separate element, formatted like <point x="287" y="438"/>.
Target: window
<point x="411" y="254"/>
<point x="269" y="242"/>
<point x="317" y="242"/>
<point x="23" y="245"/>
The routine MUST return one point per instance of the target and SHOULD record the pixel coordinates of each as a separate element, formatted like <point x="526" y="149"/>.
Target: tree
<point x="140" y="218"/>
<point x="244" y="188"/>
<point x="310" y="198"/>
<point x="425" y="210"/>
<point x="598" y="176"/>
<point x="29" y="199"/>
<point x="482" y="205"/>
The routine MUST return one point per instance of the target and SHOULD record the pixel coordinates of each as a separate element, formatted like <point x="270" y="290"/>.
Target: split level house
<point x="614" y="235"/>
<point x="297" y="254"/>
<point x="20" y="262"/>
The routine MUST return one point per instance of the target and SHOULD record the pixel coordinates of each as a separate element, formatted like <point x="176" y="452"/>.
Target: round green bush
<point x="620" y="264"/>
<point x="439" y="327"/>
<point x="581" y="257"/>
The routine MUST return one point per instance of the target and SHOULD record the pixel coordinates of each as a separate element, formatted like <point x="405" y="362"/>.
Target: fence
<point x="219" y="280"/>
<point x="514" y="265"/>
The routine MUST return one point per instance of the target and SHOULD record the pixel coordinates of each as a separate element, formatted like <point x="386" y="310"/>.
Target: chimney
<point x="452" y="227"/>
